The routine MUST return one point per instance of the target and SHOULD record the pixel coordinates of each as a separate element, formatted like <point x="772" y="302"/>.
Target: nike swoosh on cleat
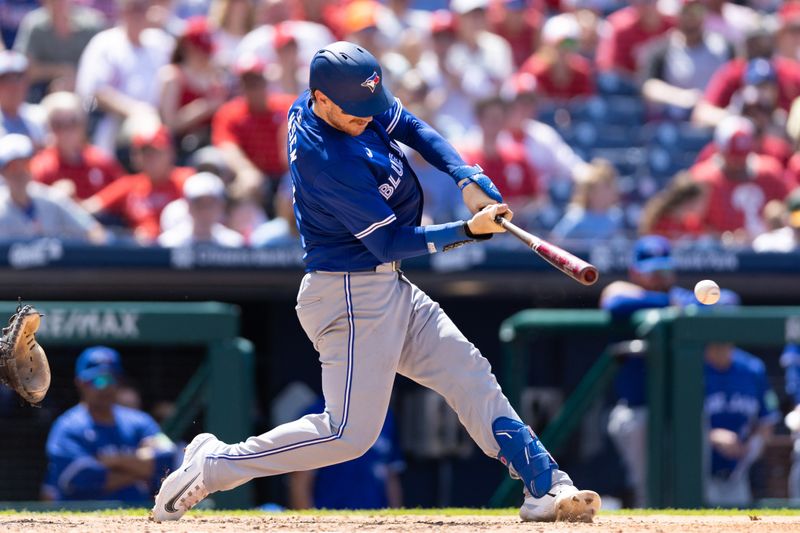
<point x="170" y="505"/>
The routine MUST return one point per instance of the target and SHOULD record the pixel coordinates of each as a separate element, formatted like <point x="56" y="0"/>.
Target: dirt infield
<point x="51" y="522"/>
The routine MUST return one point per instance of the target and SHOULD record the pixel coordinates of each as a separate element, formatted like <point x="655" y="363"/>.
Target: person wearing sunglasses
<point x="99" y="449"/>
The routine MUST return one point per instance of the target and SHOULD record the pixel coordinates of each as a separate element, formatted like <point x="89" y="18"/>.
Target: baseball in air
<point x="706" y="292"/>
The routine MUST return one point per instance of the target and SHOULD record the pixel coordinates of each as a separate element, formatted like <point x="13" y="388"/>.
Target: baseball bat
<point x="574" y="267"/>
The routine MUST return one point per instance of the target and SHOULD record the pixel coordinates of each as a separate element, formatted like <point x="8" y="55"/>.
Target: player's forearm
<point x="661" y="92"/>
<point x="236" y="158"/>
<point x="114" y="101"/>
<point x="41" y="71"/>
<point x="395" y="243"/>
<point x="117" y="479"/>
<point x="140" y="469"/>
<point x="707" y="114"/>
<point x="624" y="306"/>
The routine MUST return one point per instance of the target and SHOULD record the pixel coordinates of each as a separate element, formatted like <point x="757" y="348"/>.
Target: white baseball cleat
<point x="564" y="502"/>
<point x="184" y="487"/>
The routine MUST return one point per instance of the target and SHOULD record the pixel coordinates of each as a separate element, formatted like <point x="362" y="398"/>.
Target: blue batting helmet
<point x="350" y="76"/>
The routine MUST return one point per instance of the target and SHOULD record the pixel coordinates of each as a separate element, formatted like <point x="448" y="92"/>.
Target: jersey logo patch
<point x="372" y="82"/>
<point x="369" y="152"/>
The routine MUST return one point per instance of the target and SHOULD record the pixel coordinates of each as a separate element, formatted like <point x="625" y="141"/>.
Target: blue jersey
<point x="737" y="399"/>
<point x="357" y="200"/>
<point x="360" y="483"/>
<point x="75" y="443"/>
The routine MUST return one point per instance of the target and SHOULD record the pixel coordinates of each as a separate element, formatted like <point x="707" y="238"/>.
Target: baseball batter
<point x="358" y="205"/>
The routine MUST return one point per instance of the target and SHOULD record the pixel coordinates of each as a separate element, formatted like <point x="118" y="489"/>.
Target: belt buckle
<point x="393" y="266"/>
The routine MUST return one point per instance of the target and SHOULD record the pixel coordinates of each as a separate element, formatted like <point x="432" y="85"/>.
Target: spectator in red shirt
<point x="740" y="181"/>
<point x="792" y="175"/>
<point x="505" y="162"/>
<point x="759" y="108"/>
<point x="518" y="22"/>
<point x="251" y="132"/>
<point x="778" y="74"/>
<point x="631" y="29"/>
<point x="560" y="72"/>
<point x="192" y="88"/>
<point x="676" y="211"/>
<point x="68" y="162"/>
<point x="140" y="198"/>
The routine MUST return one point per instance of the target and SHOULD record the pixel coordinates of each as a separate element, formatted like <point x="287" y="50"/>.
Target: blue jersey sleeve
<point x="623" y="306"/>
<point x="72" y="472"/>
<point x="364" y="212"/>
<point x="417" y="134"/>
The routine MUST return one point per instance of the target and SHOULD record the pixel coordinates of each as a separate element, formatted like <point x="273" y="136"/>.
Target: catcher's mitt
<point x="23" y="363"/>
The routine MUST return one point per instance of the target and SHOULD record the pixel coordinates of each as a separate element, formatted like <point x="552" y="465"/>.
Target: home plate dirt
<point x="52" y="523"/>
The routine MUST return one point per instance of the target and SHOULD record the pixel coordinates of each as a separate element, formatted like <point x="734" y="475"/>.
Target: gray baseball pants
<point x="367" y="327"/>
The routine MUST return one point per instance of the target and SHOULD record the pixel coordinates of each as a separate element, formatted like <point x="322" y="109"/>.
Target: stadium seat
<point x="610" y="83"/>
<point x="616" y="110"/>
<point x="663" y="163"/>
<point x="589" y="135"/>
<point x="627" y="161"/>
<point x="679" y="136"/>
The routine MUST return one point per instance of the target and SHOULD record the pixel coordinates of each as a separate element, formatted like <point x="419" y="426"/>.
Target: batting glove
<point x="481" y="180"/>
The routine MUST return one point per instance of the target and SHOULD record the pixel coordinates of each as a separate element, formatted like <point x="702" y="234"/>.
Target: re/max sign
<point x="65" y="323"/>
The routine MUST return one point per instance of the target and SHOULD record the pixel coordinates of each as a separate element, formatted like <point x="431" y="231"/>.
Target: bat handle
<point x="524" y="236"/>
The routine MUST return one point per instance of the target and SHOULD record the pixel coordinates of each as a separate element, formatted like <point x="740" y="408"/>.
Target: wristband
<point x="443" y="237"/>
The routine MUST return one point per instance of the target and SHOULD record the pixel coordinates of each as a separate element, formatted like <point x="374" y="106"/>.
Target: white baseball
<point x="706" y="292"/>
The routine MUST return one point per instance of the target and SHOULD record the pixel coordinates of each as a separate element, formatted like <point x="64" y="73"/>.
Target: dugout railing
<point x="222" y="386"/>
<point x="674" y="341"/>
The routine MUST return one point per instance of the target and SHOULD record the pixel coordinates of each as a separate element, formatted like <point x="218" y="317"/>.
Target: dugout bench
<point x="673" y="345"/>
<point x="226" y="375"/>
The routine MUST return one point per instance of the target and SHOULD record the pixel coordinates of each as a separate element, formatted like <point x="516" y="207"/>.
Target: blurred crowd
<point x="163" y="122"/>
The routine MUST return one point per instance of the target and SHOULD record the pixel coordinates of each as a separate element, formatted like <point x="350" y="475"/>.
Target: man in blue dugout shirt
<point x="99" y="450"/>
<point x="740" y="412"/>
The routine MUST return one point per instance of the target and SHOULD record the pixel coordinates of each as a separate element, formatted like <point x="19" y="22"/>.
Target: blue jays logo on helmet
<point x="341" y="69"/>
<point x="371" y="82"/>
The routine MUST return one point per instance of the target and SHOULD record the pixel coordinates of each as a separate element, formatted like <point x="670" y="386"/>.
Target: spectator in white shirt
<point x="29" y="210"/>
<point x="118" y="69"/>
<point x="787" y="238"/>
<point x="483" y="59"/>
<point x="205" y="196"/>
<point x="310" y="36"/>
<point x="449" y="103"/>
<point x="16" y="115"/>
